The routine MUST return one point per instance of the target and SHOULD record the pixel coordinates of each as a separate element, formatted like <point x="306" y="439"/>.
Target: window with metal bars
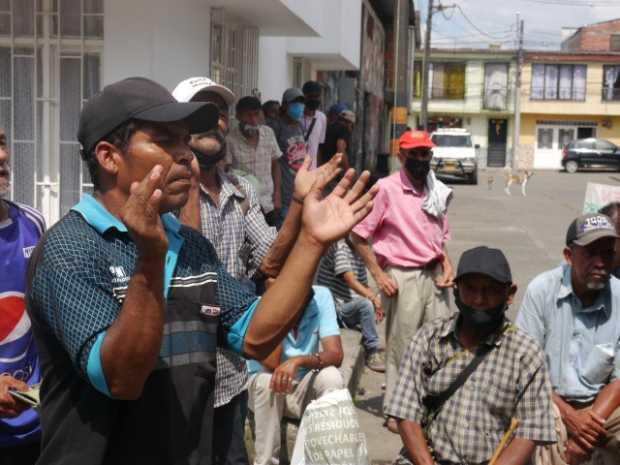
<point x="49" y="65"/>
<point x="234" y="54"/>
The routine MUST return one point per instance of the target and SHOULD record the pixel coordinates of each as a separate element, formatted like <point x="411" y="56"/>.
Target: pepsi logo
<point x="15" y="321"/>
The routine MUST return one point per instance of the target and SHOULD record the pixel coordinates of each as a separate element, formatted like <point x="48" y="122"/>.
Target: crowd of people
<point x="213" y="267"/>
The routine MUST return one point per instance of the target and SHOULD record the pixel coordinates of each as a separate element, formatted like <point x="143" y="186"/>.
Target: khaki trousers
<point x="269" y="407"/>
<point x="608" y="454"/>
<point x="417" y="302"/>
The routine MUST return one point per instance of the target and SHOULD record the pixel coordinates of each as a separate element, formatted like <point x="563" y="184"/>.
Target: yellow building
<point x="567" y="96"/>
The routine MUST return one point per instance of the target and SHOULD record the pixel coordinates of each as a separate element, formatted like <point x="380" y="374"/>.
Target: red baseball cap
<point x="415" y="139"/>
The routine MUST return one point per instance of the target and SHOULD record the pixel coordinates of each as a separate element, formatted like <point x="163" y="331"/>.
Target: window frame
<point x="446" y="95"/>
<point x="559" y="67"/>
<point x="616" y="91"/>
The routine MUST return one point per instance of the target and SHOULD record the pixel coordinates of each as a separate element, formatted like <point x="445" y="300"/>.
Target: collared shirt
<point x="241" y="237"/>
<point x="316" y="136"/>
<point x="581" y="344"/>
<point x="340" y="259"/>
<point x="403" y="234"/>
<point x="78" y="289"/>
<point x="511" y="381"/>
<point x="255" y="160"/>
<point x="318" y="321"/>
<point x="19" y="234"/>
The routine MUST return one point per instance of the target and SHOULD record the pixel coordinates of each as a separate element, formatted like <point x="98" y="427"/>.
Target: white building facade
<point x="55" y="54"/>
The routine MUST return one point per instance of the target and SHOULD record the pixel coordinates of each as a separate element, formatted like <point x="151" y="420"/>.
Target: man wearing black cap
<point x="573" y="311"/>
<point x="128" y="306"/>
<point x="464" y="378"/>
<point x="314" y="121"/>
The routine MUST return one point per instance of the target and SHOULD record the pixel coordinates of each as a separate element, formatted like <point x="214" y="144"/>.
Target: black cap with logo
<point x="142" y="99"/>
<point x="486" y="261"/>
<point x="586" y="229"/>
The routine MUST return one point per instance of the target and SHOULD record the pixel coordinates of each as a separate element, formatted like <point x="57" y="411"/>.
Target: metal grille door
<point x="49" y="65"/>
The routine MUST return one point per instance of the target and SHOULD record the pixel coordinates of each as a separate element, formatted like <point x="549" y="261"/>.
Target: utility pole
<point x="517" y="122"/>
<point x="425" y="65"/>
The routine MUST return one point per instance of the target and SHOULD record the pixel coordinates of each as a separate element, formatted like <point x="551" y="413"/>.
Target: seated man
<point x="304" y="373"/>
<point x="507" y="377"/>
<point x="343" y="272"/>
<point x="573" y="311"/>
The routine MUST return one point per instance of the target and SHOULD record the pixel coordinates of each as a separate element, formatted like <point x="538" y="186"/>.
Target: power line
<point x="471" y="23"/>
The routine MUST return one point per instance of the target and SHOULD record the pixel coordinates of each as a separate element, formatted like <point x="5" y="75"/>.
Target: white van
<point x="455" y="155"/>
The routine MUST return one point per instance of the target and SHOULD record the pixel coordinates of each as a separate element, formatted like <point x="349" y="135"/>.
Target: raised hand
<point x="305" y="179"/>
<point x="331" y="218"/>
<point x="140" y="214"/>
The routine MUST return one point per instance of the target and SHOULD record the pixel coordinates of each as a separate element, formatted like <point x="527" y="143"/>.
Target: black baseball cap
<point x="486" y="261"/>
<point x="586" y="229"/>
<point x="142" y="99"/>
<point x="311" y="87"/>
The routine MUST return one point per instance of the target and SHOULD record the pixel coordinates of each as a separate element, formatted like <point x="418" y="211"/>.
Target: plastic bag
<point x="330" y="434"/>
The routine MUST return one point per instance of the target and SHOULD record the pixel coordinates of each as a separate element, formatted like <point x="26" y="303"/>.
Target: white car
<point x="455" y="155"/>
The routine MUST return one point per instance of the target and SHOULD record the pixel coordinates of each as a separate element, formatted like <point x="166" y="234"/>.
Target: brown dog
<point x="520" y="178"/>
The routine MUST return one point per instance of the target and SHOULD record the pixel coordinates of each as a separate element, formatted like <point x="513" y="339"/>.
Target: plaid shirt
<point x="512" y="381"/>
<point x="255" y="160"/>
<point x="241" y="237"/>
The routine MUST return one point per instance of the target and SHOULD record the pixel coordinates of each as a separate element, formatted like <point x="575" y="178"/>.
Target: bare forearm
<point x="357" y="287"/>
<point x="607" y="400"/>
<point x="190" y="213"/>
<point x="282" y="304"/>
<point x="328" y="359"/>
<point x="284" y="242"/>
<point x="415" y="442"/>
<point x="131" y="345"/>
<point x="518" y="452"/>
<point x="364" y="250"/>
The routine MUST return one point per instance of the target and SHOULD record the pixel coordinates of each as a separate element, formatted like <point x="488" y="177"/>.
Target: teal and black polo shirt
<point x="78" y="286"/>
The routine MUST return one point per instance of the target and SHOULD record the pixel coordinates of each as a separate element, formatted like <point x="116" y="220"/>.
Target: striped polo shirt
<point x="339" y="259"/>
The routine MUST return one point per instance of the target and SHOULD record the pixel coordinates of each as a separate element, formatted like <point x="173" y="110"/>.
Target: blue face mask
<point x="295" y="110"/>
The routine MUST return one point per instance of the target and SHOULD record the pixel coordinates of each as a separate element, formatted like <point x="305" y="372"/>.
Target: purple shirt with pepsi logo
<point x="19" y="235"/>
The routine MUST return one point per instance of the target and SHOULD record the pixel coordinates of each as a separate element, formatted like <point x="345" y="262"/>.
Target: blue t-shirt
<point x="318" y="321"/>
<point x="19" y="235"/>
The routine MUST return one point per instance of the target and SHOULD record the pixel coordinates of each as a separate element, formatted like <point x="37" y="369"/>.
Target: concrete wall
<point x="593" y="104"/>
<point x="165" y="41"/>
<point x="338" y="47"/>
<point x="275" y="72"/>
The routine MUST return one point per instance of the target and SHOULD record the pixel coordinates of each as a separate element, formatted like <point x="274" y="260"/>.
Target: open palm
<point x="332" y="217"/>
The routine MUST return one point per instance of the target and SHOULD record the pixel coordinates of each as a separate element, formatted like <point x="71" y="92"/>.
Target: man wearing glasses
<point x="408" y="228"/>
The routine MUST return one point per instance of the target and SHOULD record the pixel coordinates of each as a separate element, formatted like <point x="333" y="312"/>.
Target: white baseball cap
<point x="186" y="90"/>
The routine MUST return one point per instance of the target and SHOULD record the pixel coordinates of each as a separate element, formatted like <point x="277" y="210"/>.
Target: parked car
<point x="455" y="155"/>
<point x="590" y="152"/>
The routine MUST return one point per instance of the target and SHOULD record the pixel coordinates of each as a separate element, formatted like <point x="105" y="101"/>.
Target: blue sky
<point x="543" y="21"/>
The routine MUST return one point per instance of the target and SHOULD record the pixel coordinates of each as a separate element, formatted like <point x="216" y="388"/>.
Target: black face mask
<point x="207" y="160"/>
<point x="313" y="105"/>
<point x="418" y="169"/>
<point x="489" y="319"/>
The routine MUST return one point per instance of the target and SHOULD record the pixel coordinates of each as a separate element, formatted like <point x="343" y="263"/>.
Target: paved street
<point x="530" y="230"/>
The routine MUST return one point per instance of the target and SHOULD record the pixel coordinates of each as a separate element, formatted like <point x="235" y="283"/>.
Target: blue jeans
<point x="359" y="313"/>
